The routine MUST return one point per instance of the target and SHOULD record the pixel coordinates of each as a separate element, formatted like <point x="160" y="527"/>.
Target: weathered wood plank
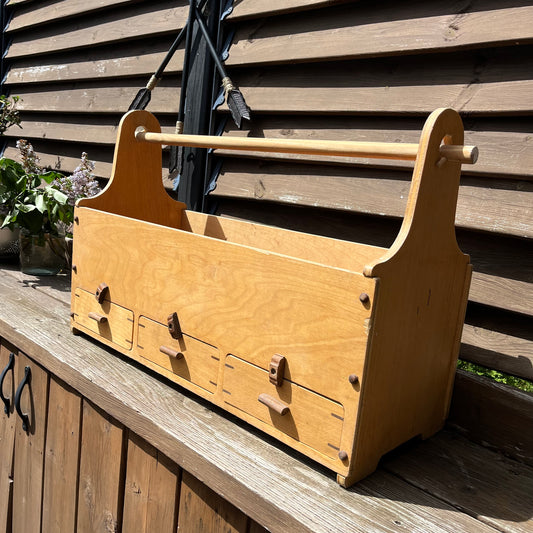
<point x="235" y="462"/>
<point x="493" y="414"/>
<point x="151" y="491"/>
<point x="259" y="8"/>
<point x="29" y="448"/>
<point x="32" y="16"/>
<point x="7" y="439"/>
<point x="451" y="466"/>
<point x="201" y="509"/>
<point x="503" y="152"/>
<point x="394" y="29"/>
<point x="101" y="64"/>
<point x="73" y="130"/>
<point x="501" y="351"/>
<point x="101" y="478"/>
<point x="112" y="98"/>
<point x="60" y="486"/>
<point x="479" y="205"/>
<point x="101" y="29"/>
<point x="487" y="98"/>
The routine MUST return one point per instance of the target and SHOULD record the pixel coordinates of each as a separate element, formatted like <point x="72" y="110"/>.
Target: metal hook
<point x="25" y="381"/>
<point x="10" y="365"/>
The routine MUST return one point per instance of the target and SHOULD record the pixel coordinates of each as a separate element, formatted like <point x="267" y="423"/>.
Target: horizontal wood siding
<point x="352" y="71"/>
<point x="77" y="67"/>
<point x="316" y="69"/>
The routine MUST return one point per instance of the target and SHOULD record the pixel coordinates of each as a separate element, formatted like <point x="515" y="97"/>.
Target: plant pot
<point x="42" y="255"/>
<point x="9" y="243"/>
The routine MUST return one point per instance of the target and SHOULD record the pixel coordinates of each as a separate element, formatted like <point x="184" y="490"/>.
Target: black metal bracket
<point x="10" y="365"/>
<point x="25" y="381"/>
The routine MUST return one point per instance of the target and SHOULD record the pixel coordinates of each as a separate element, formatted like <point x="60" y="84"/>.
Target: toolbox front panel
<point x="311" y="419"/>
<point x="195" y="361"/>
<point x="107" y="320"/>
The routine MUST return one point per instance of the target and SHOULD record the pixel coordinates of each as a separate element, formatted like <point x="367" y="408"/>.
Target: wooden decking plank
<point x="492" y="349"/>
<point x="482" y="483"/>
<point x="236" y="463"/>
<point x="395" y="29"/>
<point x="494" y="414"/>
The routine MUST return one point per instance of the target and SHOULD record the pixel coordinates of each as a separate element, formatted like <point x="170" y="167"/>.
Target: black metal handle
<point x="25" y="381"/>
<point x="9" y="366"/>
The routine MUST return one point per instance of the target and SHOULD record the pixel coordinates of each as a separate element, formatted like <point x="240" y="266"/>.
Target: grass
<point x="495" y="375"/>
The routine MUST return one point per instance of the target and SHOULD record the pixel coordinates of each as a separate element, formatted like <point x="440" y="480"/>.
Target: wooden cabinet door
<point x="29" y="447"/>
<point x="7" y="437"/>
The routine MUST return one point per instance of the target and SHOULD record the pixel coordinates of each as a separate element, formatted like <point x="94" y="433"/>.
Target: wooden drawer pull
<point x="170" y="352"/>
<point x="101" y="319"/>
<point x="274" y="404"/>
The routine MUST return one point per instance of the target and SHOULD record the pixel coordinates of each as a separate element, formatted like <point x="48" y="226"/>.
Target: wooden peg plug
<point x="277" y="370"/>
<point x="174" y="327"/>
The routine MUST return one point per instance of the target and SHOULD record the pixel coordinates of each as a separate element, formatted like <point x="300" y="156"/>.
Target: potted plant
<point x="41" y="203"/>
<point x="9" y="116"/>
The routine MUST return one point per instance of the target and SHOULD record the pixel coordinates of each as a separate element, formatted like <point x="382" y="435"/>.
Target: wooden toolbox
<point x="341" y="350"/>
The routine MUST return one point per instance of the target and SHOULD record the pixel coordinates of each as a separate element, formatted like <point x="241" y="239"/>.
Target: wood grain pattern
<point x="31" y="16"/>
<point x="429" y="467"/>
<point x="374" y="192"/>
<point x="498" y="146"/>
<point x="258" y="8"/>
<point x="135" y="60"/>
<point x="113" y="98"/>
<point x="30" y="448"/>
<point x="212" y="446"/>
<point x="201" y="510"/>
<point x="480" y="407"/>
<point x="101" y="481"/>
<point x="100" y="29"/>
<point x="492" y="349"/>
<point x="151" y="492"/>
<point x="60" y="485"/>
<point x="7" y="438"/>
<point x="391" y="30"/>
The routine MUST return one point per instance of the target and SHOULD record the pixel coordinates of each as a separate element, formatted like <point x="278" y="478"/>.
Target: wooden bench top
<point x="444" y="484"/>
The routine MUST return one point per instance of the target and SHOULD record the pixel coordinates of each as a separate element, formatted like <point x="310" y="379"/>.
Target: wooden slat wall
<point x="358" y="71"/>
<point x="78" y="65"/>
<point x="330" y="69"/>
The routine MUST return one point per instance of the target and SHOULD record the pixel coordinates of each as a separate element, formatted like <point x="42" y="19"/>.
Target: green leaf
<point x="40" y="203"/>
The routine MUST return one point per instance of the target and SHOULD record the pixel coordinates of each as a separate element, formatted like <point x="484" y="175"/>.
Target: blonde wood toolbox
<point x="341" y="350"/>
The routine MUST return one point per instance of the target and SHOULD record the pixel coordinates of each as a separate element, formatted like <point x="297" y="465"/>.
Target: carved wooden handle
<point x="101" y="319"/>
<point x="170" y="352"/>
<point x="272" y="403"/>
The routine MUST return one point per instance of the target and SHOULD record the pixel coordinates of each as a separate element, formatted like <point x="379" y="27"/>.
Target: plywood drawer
<point x="195" y="361"/>
<point x="311" y="419"/>
<point x="110" y="321"/>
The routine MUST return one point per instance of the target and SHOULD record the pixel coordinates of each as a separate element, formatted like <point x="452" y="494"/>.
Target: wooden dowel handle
<point x="378" y="150"/>
<point x="170" y="352"/>
<point x="274" y="404"/>
<point x="101" y="319"/>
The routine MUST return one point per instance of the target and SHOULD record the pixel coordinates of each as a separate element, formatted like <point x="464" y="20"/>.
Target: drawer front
<point x="186" y="357"/>
<point x="108" y="320"/>
<point x="311" y="419"/>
